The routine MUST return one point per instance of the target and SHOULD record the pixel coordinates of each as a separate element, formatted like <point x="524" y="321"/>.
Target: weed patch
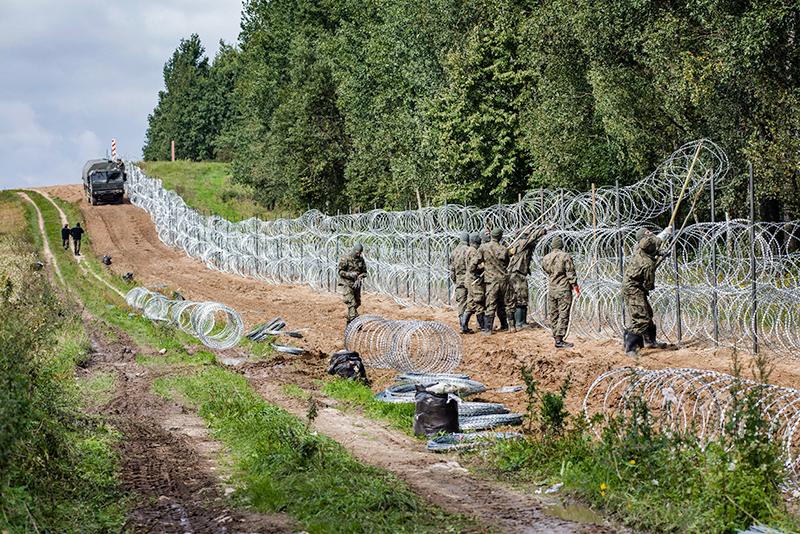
<point x="286" y="466"/>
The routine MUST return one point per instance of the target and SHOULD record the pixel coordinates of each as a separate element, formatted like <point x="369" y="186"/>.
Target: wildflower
<point x="633" y="462"/>
<point x="654" y="482"/>
<point x="603" y="486"/>
<point x="630" y="507"/>
<point x="602" y="493"/>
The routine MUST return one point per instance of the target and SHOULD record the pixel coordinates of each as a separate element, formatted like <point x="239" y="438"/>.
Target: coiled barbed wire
<point x="701" y="402"/>
<point x="195" y="318"/>
<point x="407" y="252"/>
<point x="406" y="346"/>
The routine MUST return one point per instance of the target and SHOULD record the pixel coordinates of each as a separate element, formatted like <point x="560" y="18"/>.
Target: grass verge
<point x="356" y="394"/>
<point x="286" y="466"/>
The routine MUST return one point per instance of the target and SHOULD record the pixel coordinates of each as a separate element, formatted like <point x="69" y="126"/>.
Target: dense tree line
<point x="354" y="103"/>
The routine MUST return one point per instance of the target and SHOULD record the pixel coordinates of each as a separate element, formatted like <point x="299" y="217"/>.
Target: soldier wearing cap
<point x="352" y="269"/>
<point x="638" y="281"/>
<point x="494" y="258"/>
<point x="458" y="273"/>
<point x="561" y="281"/>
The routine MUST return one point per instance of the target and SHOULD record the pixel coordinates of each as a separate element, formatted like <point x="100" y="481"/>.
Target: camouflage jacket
<point x="522" y="250"/>
<point x="560" y="271"/>
<point x="494" y="257"/>
<point x="472" y="270"/>
<point x="640" y="272"/>
<point x="351" y="263"/>
<point x="458" y="267"/>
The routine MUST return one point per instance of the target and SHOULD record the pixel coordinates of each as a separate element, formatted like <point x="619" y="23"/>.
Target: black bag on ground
<point x="434" y="413"/>
<point x="347" y="364"/>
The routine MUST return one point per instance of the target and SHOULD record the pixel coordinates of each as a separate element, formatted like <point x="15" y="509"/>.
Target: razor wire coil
<point x="698" y="401"/>
<point x="407" y="253"/>
<point x="195" y="318"/>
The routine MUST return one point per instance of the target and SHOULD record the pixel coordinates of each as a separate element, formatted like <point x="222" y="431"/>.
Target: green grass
<point x="283" y="465"/>
<point x="206" y="186"/>
<point x="400" y="415"/>
<point x="294" y="391"/>
<point x="97" y="388"/>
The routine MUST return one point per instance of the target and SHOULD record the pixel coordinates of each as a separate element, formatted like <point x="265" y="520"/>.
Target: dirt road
<point x="127" y="234"/>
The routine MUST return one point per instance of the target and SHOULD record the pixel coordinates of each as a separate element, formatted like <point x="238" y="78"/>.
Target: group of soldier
<point x="491" y="280"/>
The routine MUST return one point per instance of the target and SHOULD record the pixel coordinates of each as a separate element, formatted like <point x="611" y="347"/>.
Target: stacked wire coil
<point x="196" y="318"/>
<point x="406" y="346"/>
<point x="699" y="402"/>
<point x="704" y="293"/>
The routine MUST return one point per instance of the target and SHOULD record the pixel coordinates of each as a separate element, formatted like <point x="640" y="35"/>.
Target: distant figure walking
<point x="65" y="237"/>
<point x="77" y="233"/>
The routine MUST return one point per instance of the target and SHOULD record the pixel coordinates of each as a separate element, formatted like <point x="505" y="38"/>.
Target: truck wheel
<point x="93" y="201"/>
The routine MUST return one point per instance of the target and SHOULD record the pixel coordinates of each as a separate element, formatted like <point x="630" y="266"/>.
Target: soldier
<point x="639" y="280"/>
<point x="352" y="269"/>
<point x="65" y="237"/>
<point x="474" y="281"/>
<point x="458" y="272"/>
<point x="520" y="265"/>
<point x="494" y="257"/>
<point x="562" y="280"/>
<point x="77" y="233"/>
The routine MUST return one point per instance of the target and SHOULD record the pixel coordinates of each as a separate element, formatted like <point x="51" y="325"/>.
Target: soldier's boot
<point x="487" y="325"/>
<point x="561" y="344"/>
<point x="501" y="314"/>
<point x="521" y="317"/>
<point x="512" y="324"/>
<point x="352" y="313"/>
<point x="481" y="319"/>
<point x="465" y="329"/>
<point x="650" y="338"/>
<point x="631" y="342"/>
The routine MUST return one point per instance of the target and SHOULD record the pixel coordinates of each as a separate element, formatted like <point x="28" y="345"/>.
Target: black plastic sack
<point x="434" y="413"/>
<point x="347" y="364"/>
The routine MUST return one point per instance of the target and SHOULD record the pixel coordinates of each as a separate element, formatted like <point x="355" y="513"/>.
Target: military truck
<point x="104" y="181"/>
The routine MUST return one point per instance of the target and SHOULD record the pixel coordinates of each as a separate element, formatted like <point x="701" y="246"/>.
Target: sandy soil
<point x="127" y="234"/>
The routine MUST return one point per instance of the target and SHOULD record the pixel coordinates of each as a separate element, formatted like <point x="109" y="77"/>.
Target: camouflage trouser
<point x="519" y="287"/>
<point x="640" y="314"/>
<point x="461" y="297"/>
<point x="352" y="299"/>
<point x="476" y="297"/>
<point x="498" y="295"/>
<point x="558" y="306"/>
<point x="77" y="243"/>
<point x="65" y="243"/>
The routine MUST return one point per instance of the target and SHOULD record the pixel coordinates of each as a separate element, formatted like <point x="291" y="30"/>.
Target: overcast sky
<point x="75" y="74"/>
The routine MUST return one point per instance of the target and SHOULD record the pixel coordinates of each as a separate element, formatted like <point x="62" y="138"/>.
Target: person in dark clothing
<point x="77" y="233"/>
<point x="65" y="237"/>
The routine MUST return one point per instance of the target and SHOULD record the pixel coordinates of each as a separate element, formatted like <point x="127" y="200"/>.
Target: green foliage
<point x="400" y="415"/>
<point x="284" y="466"/>
<point x="56" y="465"/>
<point x="656" y="479"/>
<point x="546" y="408"/>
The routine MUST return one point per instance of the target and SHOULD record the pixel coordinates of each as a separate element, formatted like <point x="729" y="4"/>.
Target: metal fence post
<point x="753" y="260"/>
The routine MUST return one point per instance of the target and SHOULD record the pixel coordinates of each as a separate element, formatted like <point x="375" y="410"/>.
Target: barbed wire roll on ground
<point x="195" y="318"/>
<point x="700" y="402"/>
<point x="406" y="346"/>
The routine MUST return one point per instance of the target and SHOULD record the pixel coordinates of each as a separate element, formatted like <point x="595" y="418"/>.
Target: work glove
<point x="664" y="233"/>
<point x="353" y="275"/>
<point x="357" y="284"/>
<point x="577" y="291"/>
<point x="549" y="227"/>
<point x="665" y="253"/>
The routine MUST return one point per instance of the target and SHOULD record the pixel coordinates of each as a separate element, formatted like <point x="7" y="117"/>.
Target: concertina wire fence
<point x="706" y="404"/>
<point x="704" y="293"/>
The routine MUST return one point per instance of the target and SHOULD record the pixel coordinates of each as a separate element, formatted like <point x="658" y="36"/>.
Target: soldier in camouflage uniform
<point x="494" y="257"/>
<point x="458" y="272"/>
<point x="520" y="266"/>
<point x="352" y="269"/>
<point x="562" y="280"/>
<point x="639" y="280"/>
<point x="476" y="293"/>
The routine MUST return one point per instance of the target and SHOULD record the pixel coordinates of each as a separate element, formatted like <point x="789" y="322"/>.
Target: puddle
<point x="573" y="512"/>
